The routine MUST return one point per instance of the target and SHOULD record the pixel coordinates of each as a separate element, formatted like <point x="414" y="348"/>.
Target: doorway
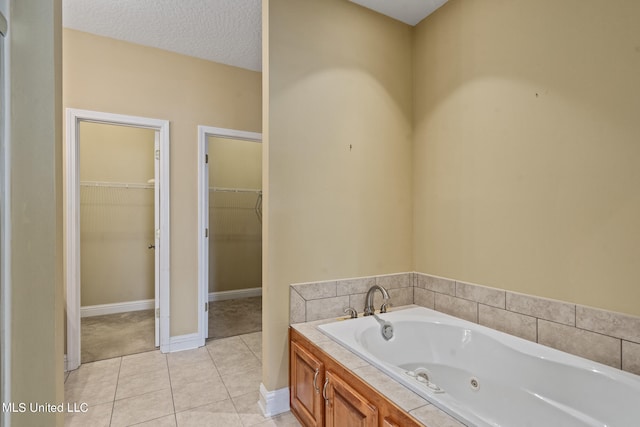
<point x="117" y="263"/>
<point x="121" y="192"/>
<point x="230" y="244"/>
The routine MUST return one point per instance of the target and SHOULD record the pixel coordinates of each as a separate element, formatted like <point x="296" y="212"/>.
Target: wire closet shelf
<point x="257" y="191"/>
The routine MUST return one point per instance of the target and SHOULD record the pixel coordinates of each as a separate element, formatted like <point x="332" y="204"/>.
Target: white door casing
<point x="156" y="234"/>
<point x="204" y="132"/>
<point x="72" y="223"/>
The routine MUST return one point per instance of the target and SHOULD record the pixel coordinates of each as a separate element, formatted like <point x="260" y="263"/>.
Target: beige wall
<point x="116" y="223"/>
<point x="110" y="153"/>
<point x="526" y="158"/>
<point x="35" y="147"/>
<point x="117" y="77"/>
<point x="337" y="153"/>
<point x="235" y="242"/>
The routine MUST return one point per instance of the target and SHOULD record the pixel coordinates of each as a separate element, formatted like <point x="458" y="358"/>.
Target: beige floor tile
<point x="142" y="383"/>
<point x="254" y="342"/>
<point x="193" y="372"/>
<point x="219" y="414"/>
<point x="96" y="416"/>
<point x="149" y="387"/>
<point x="95" y="371"/>
<point x="143" y="362"/>
<point x="188" y="356"/>
<point x="142" y="408"/>
<point x="248" y="408"/>
<point x="225" y="347"/>
<point x="199" y="394"/>
<point x="239" y="360"/>
<point x="91" y="392"/>
<point x="283" y="420"/>
<point x="247" y="403"/>
<point x="168" y="421"/>
<point x="243" y="383"/>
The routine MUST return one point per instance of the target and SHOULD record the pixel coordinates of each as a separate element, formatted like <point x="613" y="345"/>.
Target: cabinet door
<point x="344" y="407"/>
<point x="306" y="376"/>
<point x="387" y="422"/>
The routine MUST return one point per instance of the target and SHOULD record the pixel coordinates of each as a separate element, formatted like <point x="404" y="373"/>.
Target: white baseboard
<point x="240" y="293"/>
<point x="273" y="402"/>
<point x="184" y="342"/>
<point x="118" y="307"/>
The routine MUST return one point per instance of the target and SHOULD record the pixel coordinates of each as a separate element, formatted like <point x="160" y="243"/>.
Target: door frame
<point x="71" y="232"/>
<point x="204" y="132"/>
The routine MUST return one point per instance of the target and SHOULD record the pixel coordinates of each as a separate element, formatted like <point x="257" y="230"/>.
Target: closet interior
<point x="235" y="241"/>
<point x="116" y="240"/>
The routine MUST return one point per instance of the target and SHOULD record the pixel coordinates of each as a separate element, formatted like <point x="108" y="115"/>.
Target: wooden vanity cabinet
<point x="346" y="407"/>
<point x="325" y="393"/>
<point x="306" y="376"/>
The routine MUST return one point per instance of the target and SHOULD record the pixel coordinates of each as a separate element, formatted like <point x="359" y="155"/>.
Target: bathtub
<point x="483" y="377"/>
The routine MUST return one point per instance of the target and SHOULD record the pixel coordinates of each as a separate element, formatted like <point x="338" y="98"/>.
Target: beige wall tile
<point x="437" y="284"/>
<point x="482" y="294"/>
<point x="358" y="285"/>
<point x="393" y="281"/>
<point x="520" y="325"/>
<point x="590" y="345"/>
<point x="631" y="357"/>
<point x="542" y="308"/>
<point x="462" y="308"/>
<point x="401" y="296"/>
<point x="316" y="290"/>
<point x="424" y="297"/>
<point x="357" y="301"/>
<point x="327" y="307"/>
<point x="297" y="307"/>
<point x="609" y="323"/>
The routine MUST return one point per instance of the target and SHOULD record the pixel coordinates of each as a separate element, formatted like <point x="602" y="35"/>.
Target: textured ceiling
<point x="225" y="31"/>
<point x="408" y="11"/>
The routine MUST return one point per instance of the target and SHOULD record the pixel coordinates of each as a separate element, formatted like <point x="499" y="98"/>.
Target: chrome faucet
<point x="368" y="307"/>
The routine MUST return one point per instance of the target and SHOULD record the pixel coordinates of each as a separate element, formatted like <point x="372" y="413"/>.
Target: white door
<point x="156" y="228"/>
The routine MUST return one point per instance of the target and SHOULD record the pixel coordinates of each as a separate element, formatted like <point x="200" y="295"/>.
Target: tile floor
<point x="215" y="385"/>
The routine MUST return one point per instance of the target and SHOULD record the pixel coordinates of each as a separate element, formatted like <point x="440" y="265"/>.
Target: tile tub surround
<point x="603" y="336"/>
<point x="323" y="300"/>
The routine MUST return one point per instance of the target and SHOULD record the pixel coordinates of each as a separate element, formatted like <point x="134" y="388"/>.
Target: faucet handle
<point x="384" y="306"/>
<point x="352" y="312"/>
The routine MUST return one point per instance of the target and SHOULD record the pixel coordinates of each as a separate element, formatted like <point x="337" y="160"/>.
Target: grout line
<point x="175" y="417"/>
<point x="115" y="392"/>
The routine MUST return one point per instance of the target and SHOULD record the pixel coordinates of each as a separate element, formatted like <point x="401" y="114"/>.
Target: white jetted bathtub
<point x="484" y="377"/>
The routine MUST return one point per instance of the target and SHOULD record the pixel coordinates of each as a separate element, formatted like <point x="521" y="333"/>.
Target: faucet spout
<point x="368" y="308"/>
